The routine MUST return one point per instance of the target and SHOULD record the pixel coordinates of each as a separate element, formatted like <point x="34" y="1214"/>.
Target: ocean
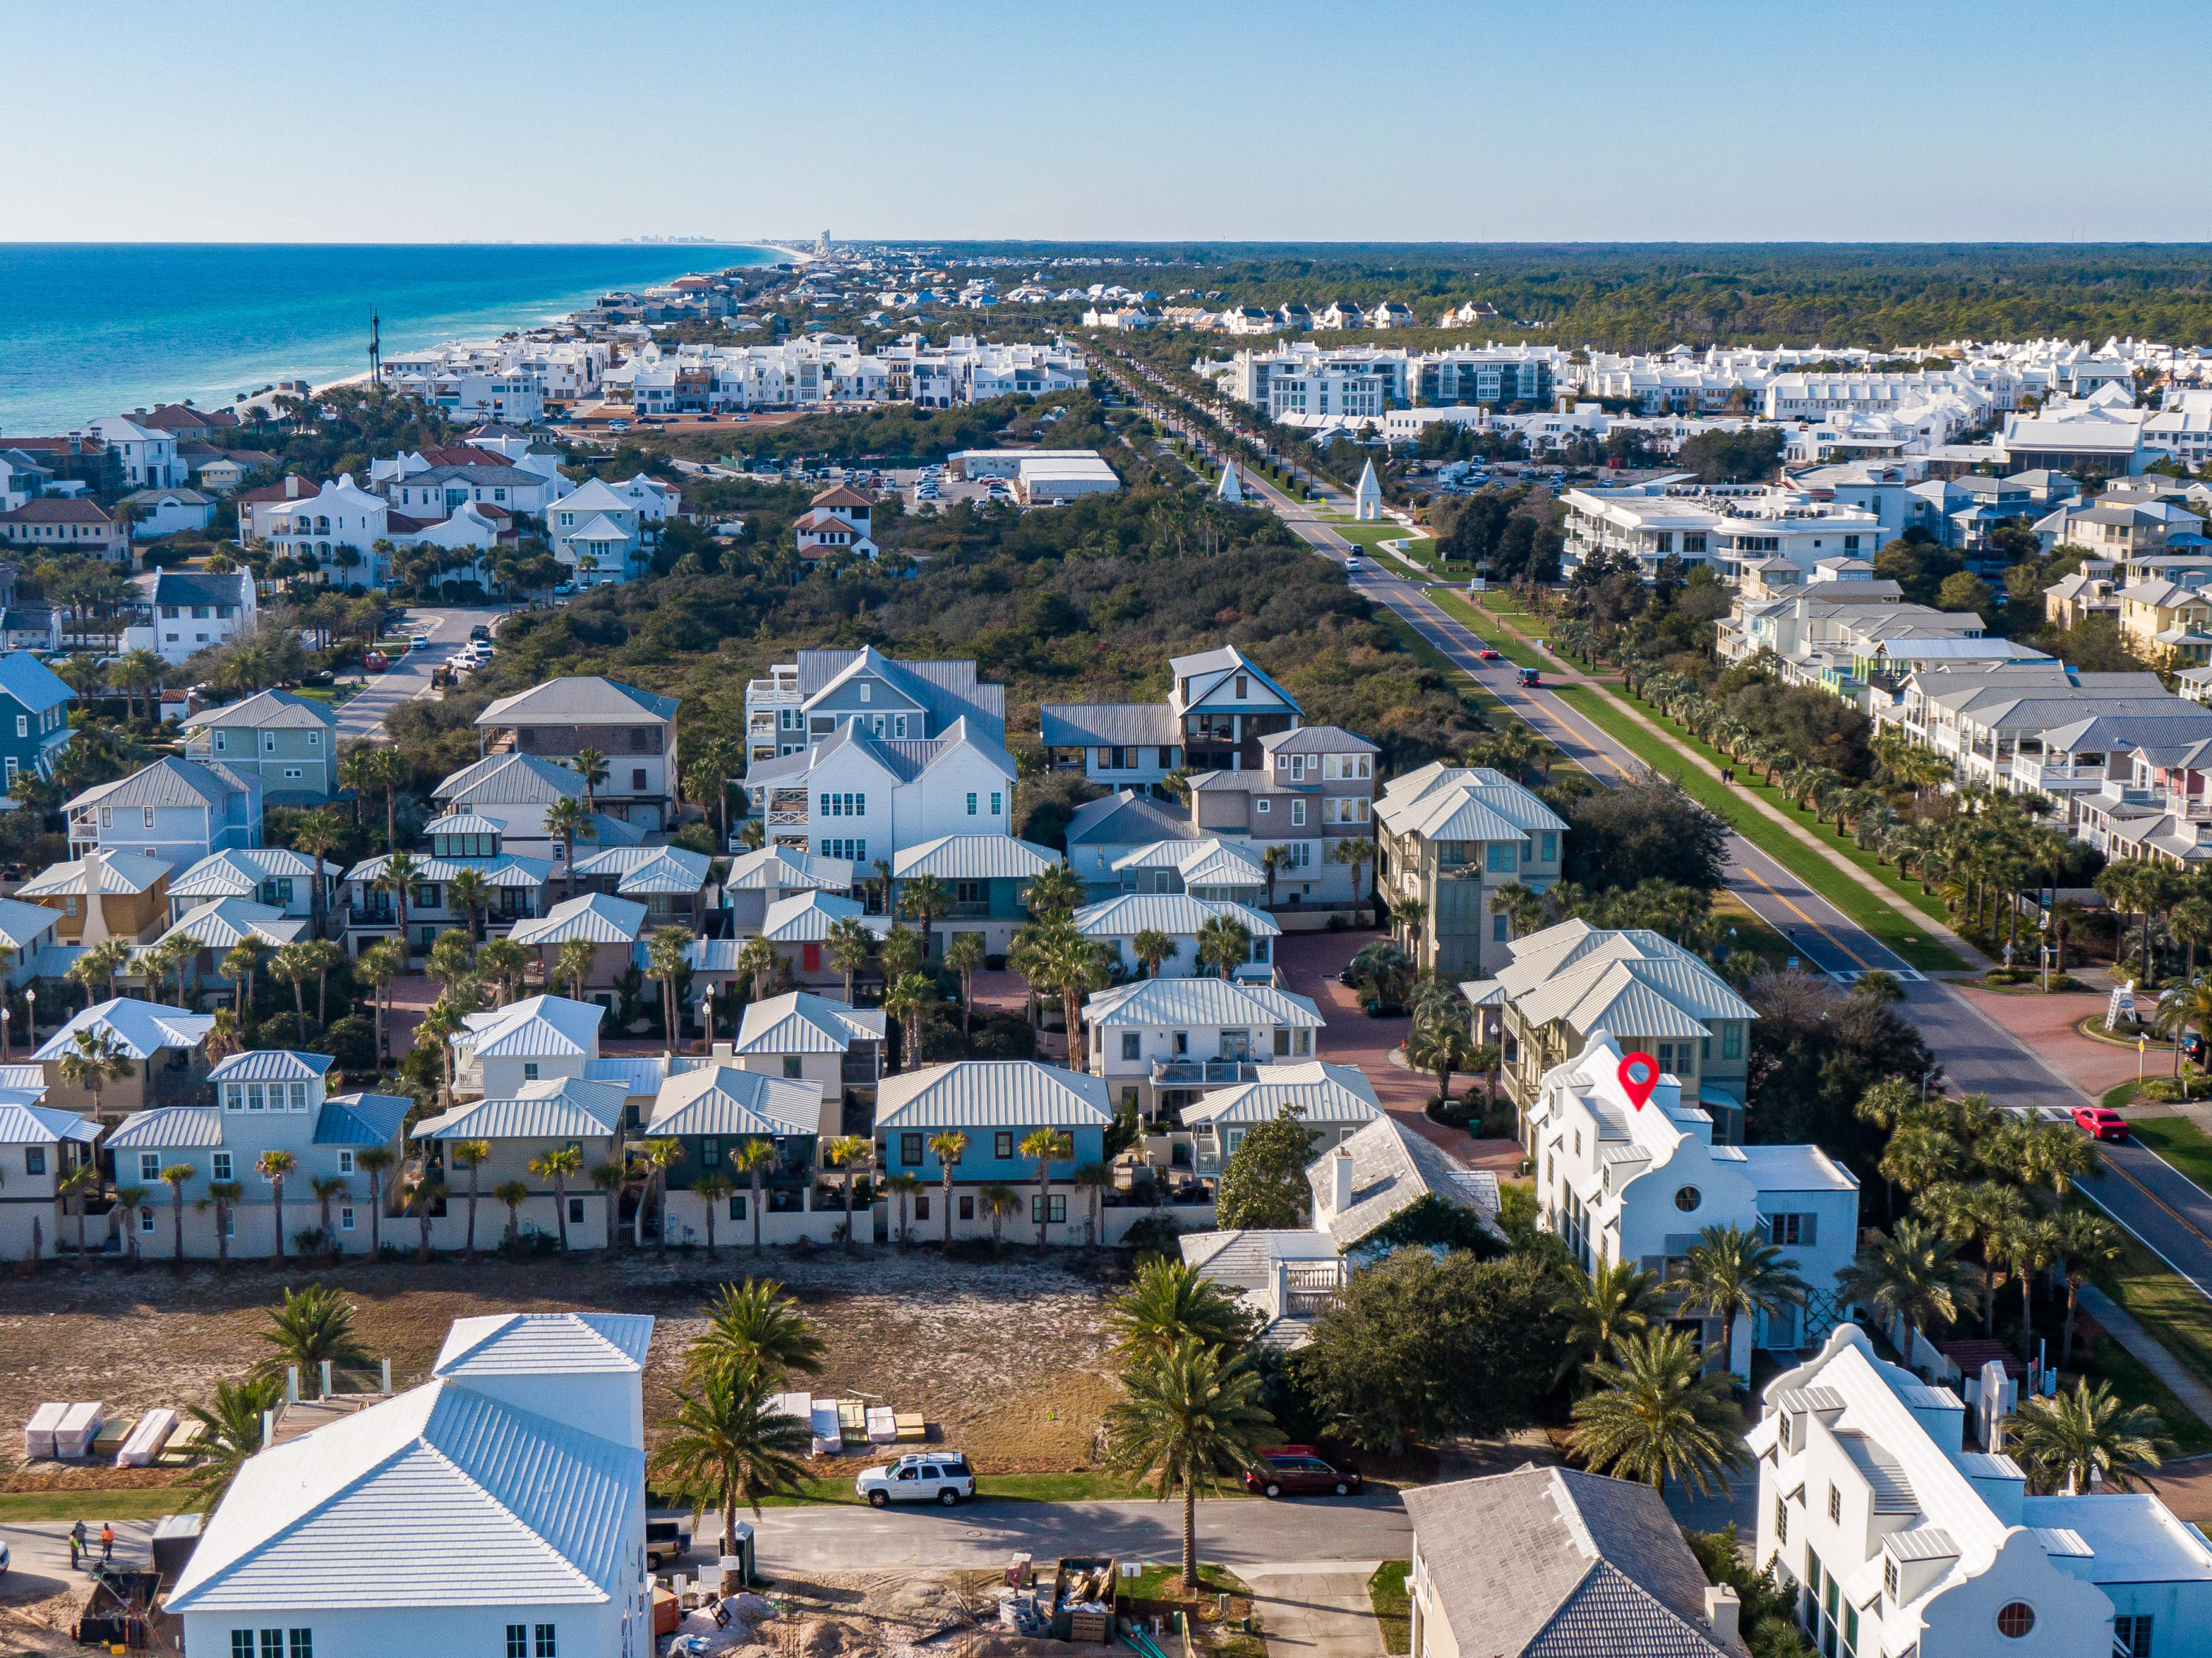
<point x="93" y="329"/>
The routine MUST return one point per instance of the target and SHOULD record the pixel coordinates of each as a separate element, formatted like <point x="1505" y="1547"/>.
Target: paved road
<point x="1235" y="1532"/>
<point x="40" y="1562"/>
<point x="2155" y="1201"/>
<point x="409" y="676"/>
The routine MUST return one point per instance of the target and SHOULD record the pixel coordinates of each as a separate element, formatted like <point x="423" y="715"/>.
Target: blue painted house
<point x="997" y="1104"/>
<point x="35" y="724"/>
<point x="987" y="880"/>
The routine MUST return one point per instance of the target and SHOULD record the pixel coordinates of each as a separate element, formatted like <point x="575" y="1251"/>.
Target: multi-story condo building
<point x="1724" y="525"/>
<point x="1450" y="837"/>
<point x="1313" y="791"/>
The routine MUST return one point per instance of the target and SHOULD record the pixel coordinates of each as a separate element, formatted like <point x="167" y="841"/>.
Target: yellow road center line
<point x="1808" y="920"/>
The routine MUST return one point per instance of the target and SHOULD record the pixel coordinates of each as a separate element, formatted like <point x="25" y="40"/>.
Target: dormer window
<point x="1241" y="685"/>
<point x="866" y="691"/>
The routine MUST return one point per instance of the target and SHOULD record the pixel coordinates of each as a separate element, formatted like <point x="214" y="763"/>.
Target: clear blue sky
<point x="1541" y="120"/>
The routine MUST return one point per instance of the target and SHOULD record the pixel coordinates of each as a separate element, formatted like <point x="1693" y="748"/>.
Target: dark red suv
<point x="1298" y="1470"/>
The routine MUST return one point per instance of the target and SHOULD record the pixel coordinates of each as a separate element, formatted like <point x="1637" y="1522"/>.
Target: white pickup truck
<point x="918" y="1476"/>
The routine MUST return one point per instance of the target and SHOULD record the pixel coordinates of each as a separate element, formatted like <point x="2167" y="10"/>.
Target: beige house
<point x="2166" y="622"/>
<point x="1451" y="837"/>
<point x="163" y="1045"/>
<point x="1313" y="790"/>
<point x="133" y="897"/>
<point x="1568" y="983"/>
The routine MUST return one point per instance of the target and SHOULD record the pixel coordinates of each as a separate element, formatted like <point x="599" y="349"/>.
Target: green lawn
<point x="91" y="1507"/>
<point x="1394" y="1613"/>
<point x="2132" y="1380"/>
<point x="2173" y="1309"/>
<point x="1896" y="931"/>
<point x="1162" y="1581"/>
<point x="2178" y="1141"/>
<point x="1413" y="641"/>
<point x="1454" y="604"/>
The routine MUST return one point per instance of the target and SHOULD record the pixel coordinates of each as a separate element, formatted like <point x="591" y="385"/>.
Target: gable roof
<point x="1204" y="1000"/>
<point x="806" y="918"/>
<point x="1207" y="669"/>
<point x="1177" y="914"/>
<point x="797" y="1022"/>
<point x="722" y="1100"/>
<point x="23" y="1123"/>
<point x="598" y="917"/>
<point x="992" y="1093"/>
<point x="270" y="1065"/>
<point x="463" y="1500"/>
<point x="649" y="868"/>
<point x="538" y="1027"/>
<point x="361" y="1119"/>
<point x="237" y="872"/>
<point x="783" y="866"/>
<point x="550" y="1108"/>
<point x="948" y="690"/>
<point x="1088" y="725"/>
<point x="169" y="782"/>
<point x="32" y="683"/>
<point x="1393" y="1168"/>
<point x="141" y="1029"/>
<point x="974" y="857"/>
<point x="1317" y="739"/>
<point x="272" y="708"/>
<point x="1555" y="1562"/>
<point x="1322" y="1093"/>
<point x="229" y="922"/>
<point x="582" y="700"/>
<point x="20" y="923"/>
<point x="124" y="873"/>
<point x="1126" y="819"/>
<point x="531" y="1344"/>
<point x="512" y="780"/>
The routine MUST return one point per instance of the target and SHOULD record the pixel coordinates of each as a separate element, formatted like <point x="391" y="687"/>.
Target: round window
<point x="2014" y="1619"/>
<point x="1688" y="1198"/>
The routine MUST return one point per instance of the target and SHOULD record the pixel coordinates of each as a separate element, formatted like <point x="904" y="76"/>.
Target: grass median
<point x="1515" y="651"/>
<point x="2174" y="1310"/>
<point x="1894" y="930"/>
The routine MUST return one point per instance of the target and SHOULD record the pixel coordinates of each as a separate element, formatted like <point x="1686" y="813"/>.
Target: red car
<point x="1294" y="1470"/>
<point x="2100" y="1124"/>
<point x="1486" y="655"/>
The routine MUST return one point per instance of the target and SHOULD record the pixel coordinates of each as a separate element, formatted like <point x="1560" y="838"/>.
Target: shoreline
<point x="230" y="365"/>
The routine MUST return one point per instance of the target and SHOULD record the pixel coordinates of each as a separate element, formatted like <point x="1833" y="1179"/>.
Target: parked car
<point x="617" y="425"/>
<point x="941" y="1477"/>
<point x="480" y="631"/>
<point x="1298" y="1470"/>
<point x="420" y="642"/>
<point x="666" y="1541"/>
<point x="2099" y="1123"/>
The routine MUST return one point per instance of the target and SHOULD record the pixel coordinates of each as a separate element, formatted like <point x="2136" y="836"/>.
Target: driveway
<point x="1316" y="1609"/>
<point x="39" y="1564"/>
<point x="409" y="677"/>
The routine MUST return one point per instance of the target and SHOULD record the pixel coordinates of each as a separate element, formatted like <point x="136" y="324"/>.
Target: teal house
<point x="291" y="743"/>
<point x="987" y="881"/>
<point x="35" y="724"/>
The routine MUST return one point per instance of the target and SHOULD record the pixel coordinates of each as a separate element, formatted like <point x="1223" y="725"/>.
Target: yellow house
<point x="2167" y="623"/>
<point x="133" y="894"/>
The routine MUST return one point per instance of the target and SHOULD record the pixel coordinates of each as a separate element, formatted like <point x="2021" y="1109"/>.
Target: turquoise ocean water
<point x="94" y="329"/>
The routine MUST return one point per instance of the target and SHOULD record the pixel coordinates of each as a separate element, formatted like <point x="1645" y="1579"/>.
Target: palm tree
<point x="2072" y="1436"/>
<point x="557" y="1164"/>
<point x="1920" y="1155"/>
<point x="513" y="1194"/>
<point x="365" y="769"/>
<point x="102" y="961"/>
<point x="851" y="943"/>
<point x="911" y="1001"/>
<point x="924" y="898"/>
<point x="846" y="1151"/>
<point x="667" y="959"/>
<point x="711" y="1189"/>
<point x="467" y="891"/>
<point x="470" y="1155"/>
<point x="1989" y="1213"/>
<point x="754" y="1327"/>
<point x="899" y="951"/>
<point x="1170" y="1302"/>
<point x="1276" y="858"/>
<point x="948" y="1148"/>
<point x="1732" y="1273"/>
<point x="174" y="1177"/>
<point x="398" y="877"/>
<point x="81" y="1183"/>
<point x="430" y="1191"/>
<point x="312" y="1325"/>
<point x="129" y="1199"/>
<point x="707" y="781"/>
<point x="1412" y="915"/>
<point x="1095" y="1178"/>
<point x="328" y="1190"/>
<point x="230" y="1432"/>
<point x="374" y="1160"/>
<point x="608" y="1179"/>
<point x="1654" y="1415"/>
<point x="500" y="963"/>
<point x="273" y="1166"/>
<point x="2080" y="1242"/>
<point x="565" y="819"/>
<point x="315" y="836"/>
<point x="964" y="956"/>
<point x="1357" y="850"/>
<point x="1056" y="890"/>
<point x="998" y="1201"/>
<point x="1153" y="948"/>
<point x="1043" y="1145"/>
<point x="758" y="963"/>
<point x="590" y="765"/>
<point x="1913" y="1273"/>
<point x="221" y="1195"/>
<point x="380" y="963"/>
<point x="571" y="965"/>
<point x="751" y="1159"/>
<point x="1613" y="1301"/>
<point x="1191" y="1413"/>
<point x="2026" y="1245"/>
<point x="139" y="673"/>
<point x="1441" y="1045"/>
<point x="730" y="1442"/>
<point x="902" y="1187"/>
<point x="1224" y="942"/>
<point x="92" y="1059"/>
<point x="292" y="966"/>
<point x="658" y="1155"/>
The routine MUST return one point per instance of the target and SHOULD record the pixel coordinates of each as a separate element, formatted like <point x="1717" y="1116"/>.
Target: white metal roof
<point x="23" y="1123"/>
<point x="1323" y="1094"/>
<point x="270" y="1064"/>
<point x="141" y="1029"/>
<point x="123" y="873"/>
<point x="1170" y="1002"/>
<point x="992" y="1093"/>
<point x="230" y="921"/>
<point x="20" y="924"/>
<point x="598" y="917"/>
<point x="535" y="1027"/>
<point x="551" y="1109"/>
<point x="721" y="1100"/>
<point x="974" y="857"/>
<point x="1177" y="914"/>
<point x="181" y="1127"/>
<point x="238" y="872"/>
<point x="530" y="1344"/>
<point x="805" y="918"/>
<point x="773" y="867"/>
<point x="797" y="1022"/>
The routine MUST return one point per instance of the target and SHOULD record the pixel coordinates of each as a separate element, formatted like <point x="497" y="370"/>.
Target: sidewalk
<point x="2123" y="1329"/>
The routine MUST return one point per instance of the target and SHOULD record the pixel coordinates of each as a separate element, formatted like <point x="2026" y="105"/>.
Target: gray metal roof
<point x="798" y="1022"/>
<point x="598" y="917"/>
<point x="974" y="857"/>
<point x="723" y="1099"/>
<point x="1317" y="739"/>
<point x="1127" y="819"/>
<point x="512" y="780"/>
<point x="1884" y="1474"/>
<point x="169" y="782"/>
<point x="1113" y="725"/>
<point x="196" y="1128"/>
<point x="278" y="709"/>
<point x="270" y="1065"/>
<point x="1200" y="1000"/>
<point x="1322" y="1093"/>
<point x="992" y="1093"/>
<point x="584" y="699"/>
<point x="1921" y="1543"/>
<point x="948" y="689"/>
<point x="361" y="1119"/>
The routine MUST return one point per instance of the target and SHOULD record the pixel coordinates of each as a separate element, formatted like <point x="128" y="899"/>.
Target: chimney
<point x="1340" y="1181"/>
<point x="1721" y="1612"/>
<point x="291" y="485"/>
<point x="726" y="1054"/>
<point x="268" y="1428"/>
<point x="94" y="931"/>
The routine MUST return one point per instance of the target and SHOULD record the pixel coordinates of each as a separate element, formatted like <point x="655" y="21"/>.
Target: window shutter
<point x="1808" y="1230"/>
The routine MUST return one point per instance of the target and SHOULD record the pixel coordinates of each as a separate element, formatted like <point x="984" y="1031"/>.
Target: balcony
<point x="1186" y="1073"/>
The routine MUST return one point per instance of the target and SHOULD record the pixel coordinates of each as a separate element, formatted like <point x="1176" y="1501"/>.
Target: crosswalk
<point x="1852" y="976"/>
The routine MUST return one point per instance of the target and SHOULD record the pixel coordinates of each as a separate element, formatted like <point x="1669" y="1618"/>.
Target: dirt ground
<point x="1006" y="1359"/>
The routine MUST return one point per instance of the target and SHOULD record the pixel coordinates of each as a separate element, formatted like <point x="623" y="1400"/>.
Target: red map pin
<point x="1639" y="1075"/>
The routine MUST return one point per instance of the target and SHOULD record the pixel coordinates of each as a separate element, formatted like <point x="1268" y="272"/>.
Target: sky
<point x="1546" y="120"/>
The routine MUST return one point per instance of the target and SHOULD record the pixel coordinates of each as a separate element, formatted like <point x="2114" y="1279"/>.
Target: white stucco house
<point x="854" y="796"/>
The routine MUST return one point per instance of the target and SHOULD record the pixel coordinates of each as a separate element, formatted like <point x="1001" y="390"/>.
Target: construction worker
<point x="77" y="1544"/>
<point x="106" y="1541"/>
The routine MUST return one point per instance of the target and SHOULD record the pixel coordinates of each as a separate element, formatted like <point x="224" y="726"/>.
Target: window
<point x="1551" y="845"/>
<point x="299" y="1096"/>
<point x="2014" y="1619"/>
<point x="221" y="1169"/>
<point x="146" y="1219"/>
<point x="2131" y="1634"/>
<point x="1889" y="1575"/>
<point x="1002" y="1147"/>
<point x="1501" y="929"/>
<point x="530" y="1070"/>
<point x="150" y="1167"/>
<point x="1504" y="856"/>
<point x="736" y="1207"/>
<point x="22" y="725"/>
<point x="1792" y="1231"/>
<point x="518" y="1641"/>
<point x="302" y="1642"/>
<point x="149" y="817"/>
<point x="1732" y="1040"/>
<point x="920" y="1206"/>
<point x="1132" y="1046"/>
<point x="1058" y="1213"/>
<point x="1781" y="1520"/>
<point x="971" y="806"/>
<point x="546" y="1646"/>
<point x="1298" y="814"/>
<point x="997" y="808"/>
<point x="1835" y="1504"/>
<point x="910" y="1149"/>
<point x="1688" y="1198"/>
<point x="345" y="1217"/>
<point x="1263" y="806"/>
